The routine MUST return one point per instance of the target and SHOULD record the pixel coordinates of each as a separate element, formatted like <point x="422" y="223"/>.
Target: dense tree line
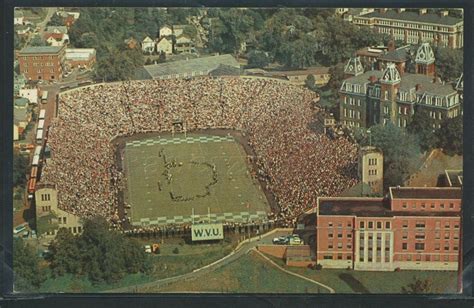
<point x="296" y="38"/>
<point x="28" y="274"/>
<point x="98" y="253"/>
<point x="20" y="168"/>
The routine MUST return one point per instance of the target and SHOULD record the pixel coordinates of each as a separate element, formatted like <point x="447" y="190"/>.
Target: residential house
<point x="57" y="39"/>
<point x="22" y="30"/>
<point x="165" y="31"/>
<point x="18" y="17"/>
<point x="183" y="44"/>
<point x="54" y="29"/>
<point x="164" y="45"/>
<point x="131" y="43"/>
<point x="148" y="45"/>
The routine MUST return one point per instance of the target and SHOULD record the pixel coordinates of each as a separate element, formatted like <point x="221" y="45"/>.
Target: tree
<point x="419" y="286"/>
<point x="257" y="58"/>
<point x="190" y="31"/>
<point x="98" y="253"/>
<point x="400" y="149"/>
<point x="57" y="20"/>
<point x="37" y="41"/>
<point x="20" y="169"/>
<point x="421" y="126"/>
<point x="65" y="253"/>
<point x="449" y="63"/>
<point x="450" y="136"/>
<point x="310" y="82"/>
<point x="28" y="275"/>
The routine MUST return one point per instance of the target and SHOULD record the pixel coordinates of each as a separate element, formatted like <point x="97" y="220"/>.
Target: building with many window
<point x="412" y="229"/>
<point x="411" y="27"/>
<point x="42" y="63"/>
<point x="381" y="96"/>
<point x="49" y="217"/>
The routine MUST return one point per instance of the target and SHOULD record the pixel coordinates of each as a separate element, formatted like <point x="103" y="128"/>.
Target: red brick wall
<point x="278" y="251"/>
<point x="336" y="231"/>
<point x="417" y="205"/>
<point x="41" y="66"/>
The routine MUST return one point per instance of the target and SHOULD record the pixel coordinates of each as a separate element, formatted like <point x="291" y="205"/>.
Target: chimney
<point x="401" y="10"/>
<point x="418" y="87"/>
<point x="444" y="13"/>
<point x="391" y="45"/>
<point x="422" y="11"/>
<point x="372" y="79"/>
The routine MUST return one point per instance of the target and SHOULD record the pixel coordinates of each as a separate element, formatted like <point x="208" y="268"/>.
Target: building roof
<point x="50" y="29"/>
<point x="415" y="17"/>
<point x="425" y="193"/>
<point x="409" y="81"/>
<point x="79" y="53"/>
<point x="425" y="54"/>
<point x="21" y="102"/>
<point x="41" y="50"/>
<point x="397" y="55"/>
<point x="225" y="70"/>
<point x="317" y="70"/>
<point x="354" y="206"/>
<point x="370" y="52"/>
<point x="20" y="115"/>
<point x="460" y="83"/>
<point x="454" y="177"/>
<point x="205" y="64"/>
<point x="354" y="67"/>
<point x="368" y="207"/>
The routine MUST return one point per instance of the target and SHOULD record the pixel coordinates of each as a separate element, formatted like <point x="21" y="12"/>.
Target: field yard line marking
<point x="331" y="290"/>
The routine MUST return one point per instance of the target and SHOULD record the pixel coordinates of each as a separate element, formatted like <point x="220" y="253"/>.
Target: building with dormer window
<point x="381" y="96"/>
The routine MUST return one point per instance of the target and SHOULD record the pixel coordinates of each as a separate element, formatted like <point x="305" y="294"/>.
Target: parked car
<point x="282" y="240"/>
<point x="295" y="240"/>
<point x="19" y="229"/>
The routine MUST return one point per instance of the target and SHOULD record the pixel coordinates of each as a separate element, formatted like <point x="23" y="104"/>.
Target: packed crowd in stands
<point x="296" y="163"/>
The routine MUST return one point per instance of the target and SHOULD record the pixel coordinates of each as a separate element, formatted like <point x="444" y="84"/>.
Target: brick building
<point x="412" y="229"/>
<point x="370" y="169"/>
<point x="380" y="96"/>
<point x="411" y="27"/>
<point x="42" y="63"/>
<point x="80" y="57"/>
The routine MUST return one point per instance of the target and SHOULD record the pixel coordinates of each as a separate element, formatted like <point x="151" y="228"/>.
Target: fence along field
<point x="166" y="178"/>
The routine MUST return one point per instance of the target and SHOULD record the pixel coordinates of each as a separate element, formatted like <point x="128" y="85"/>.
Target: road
<point x="240" y="250"/>
<point x="41" y="25"/>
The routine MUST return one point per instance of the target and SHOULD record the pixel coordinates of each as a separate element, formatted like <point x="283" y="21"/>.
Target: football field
<point x="166" y="178"/>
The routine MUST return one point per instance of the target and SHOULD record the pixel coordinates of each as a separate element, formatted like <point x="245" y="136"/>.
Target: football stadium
<point x="230" y="149"/>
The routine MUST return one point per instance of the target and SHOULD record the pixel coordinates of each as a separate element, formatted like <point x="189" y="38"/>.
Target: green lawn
<point x="248" y="274"/>
<point x="166" y="264"/>
<point x="169" y="177"/>
<point x="349" y="281"/>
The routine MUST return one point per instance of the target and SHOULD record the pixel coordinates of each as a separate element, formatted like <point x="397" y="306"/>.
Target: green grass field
<point x="249" y="274"/>
<point x="345" y="281"/>
<point x="168" y="177"/>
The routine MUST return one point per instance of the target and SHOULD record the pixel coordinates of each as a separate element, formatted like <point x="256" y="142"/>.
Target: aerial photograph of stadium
<point x="238" y="150"/>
